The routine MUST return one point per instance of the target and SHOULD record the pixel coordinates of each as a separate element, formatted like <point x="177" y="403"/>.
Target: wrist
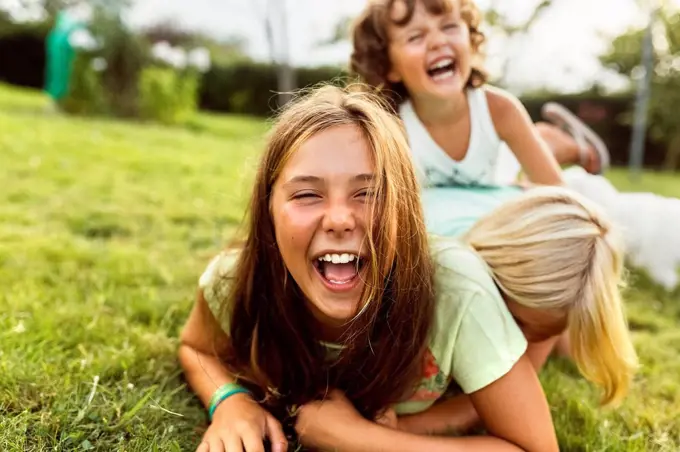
<point x="223" y="394"/>
<point x="233" y="404"/>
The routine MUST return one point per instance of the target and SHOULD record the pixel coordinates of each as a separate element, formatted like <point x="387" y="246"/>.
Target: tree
<point x="273" y="17"/>
<point x="499" y="24"/>
<point x="276" y="26"/>
<point x="340" y="32"/>
<point x="624" y="57"/>
<point x="222" y="51"/>
<point x="494" y="20"/>
<point x="47" y="9"/>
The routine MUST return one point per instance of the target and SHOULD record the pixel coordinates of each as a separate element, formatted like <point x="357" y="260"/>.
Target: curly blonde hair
<point x="370" y="58"/>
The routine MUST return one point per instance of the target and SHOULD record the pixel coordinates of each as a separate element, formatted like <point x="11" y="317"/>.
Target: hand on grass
<point x="240" y="425"/>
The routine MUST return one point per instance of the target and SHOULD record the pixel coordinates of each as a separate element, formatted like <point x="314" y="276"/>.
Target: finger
<point x="383" y="420"/>
<point x="215" y="444"/>
<point x="274" y="432"/>
<point x="252" y="442"/>
<point x="233" y="443"/>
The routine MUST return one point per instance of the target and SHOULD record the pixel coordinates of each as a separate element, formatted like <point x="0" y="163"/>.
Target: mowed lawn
<point x="105" y="227"/>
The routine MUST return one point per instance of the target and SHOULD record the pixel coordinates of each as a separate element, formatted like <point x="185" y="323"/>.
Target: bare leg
<point x="565" y="148"/>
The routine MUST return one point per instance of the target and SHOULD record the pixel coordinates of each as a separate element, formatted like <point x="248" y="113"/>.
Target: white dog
<point x="651" y="224"/>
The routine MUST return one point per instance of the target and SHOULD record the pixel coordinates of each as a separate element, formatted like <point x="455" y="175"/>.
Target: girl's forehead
<point x="337" y="151"/>
<point x="403" y="11"/>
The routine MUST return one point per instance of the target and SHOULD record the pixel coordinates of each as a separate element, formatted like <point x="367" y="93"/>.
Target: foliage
<point x="22" y="53"/>
<point x="125" y="54"/>
<point x="121" y="73"/>
<point x="624" y="57"/>
<point x="167" y="95"/>
<point x="497" y="20"/>
<point x="251" y="87"/>
<point x="225" y="51"/>
<point x="86" y="96"/>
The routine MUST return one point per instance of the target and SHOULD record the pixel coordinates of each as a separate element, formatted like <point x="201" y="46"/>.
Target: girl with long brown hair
<point x="337" y="307"/>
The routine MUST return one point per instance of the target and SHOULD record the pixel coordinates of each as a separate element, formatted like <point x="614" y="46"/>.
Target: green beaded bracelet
<point x="222" y="393"/>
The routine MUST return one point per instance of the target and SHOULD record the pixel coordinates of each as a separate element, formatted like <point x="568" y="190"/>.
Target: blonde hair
<point x="560" y="253"/>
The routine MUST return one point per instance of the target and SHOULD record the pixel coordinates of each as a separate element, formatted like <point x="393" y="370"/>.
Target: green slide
<point x="60" y="56"/>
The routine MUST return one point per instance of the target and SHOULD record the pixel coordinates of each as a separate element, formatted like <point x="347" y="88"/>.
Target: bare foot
<point x="591" y="152"/>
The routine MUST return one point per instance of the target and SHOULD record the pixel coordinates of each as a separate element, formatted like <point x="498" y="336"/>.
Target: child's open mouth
<point x="339" y="271"/>
<point x="442" y="69"/>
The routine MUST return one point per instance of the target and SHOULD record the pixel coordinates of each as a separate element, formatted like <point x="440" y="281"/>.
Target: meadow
<point x="105" y="227"/>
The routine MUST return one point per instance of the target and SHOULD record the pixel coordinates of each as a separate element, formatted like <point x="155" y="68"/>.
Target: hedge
<point x="251" y="88"/>
<point x="22" y="54"/>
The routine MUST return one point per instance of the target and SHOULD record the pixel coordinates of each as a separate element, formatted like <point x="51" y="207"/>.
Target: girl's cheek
<point x="297" y="222"/>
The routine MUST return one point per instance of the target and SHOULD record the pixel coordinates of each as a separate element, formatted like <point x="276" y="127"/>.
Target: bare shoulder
<point x="506" y="110"/>
<point x="502" y="102"/>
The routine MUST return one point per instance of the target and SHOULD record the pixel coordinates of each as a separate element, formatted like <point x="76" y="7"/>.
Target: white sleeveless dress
<point x="649" y="222"/>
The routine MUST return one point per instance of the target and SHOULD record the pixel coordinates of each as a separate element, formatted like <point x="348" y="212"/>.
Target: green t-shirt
<point x="474" y="340"/>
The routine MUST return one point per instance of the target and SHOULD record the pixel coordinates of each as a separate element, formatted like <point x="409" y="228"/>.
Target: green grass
<point x="105" y="227"/>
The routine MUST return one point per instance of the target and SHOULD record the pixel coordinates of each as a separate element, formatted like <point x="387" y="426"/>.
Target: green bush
<point x="167" y="95"/>
<point x="86" y="95"/>
<point x="251" y="88"/>
<point x="126" y="55"/>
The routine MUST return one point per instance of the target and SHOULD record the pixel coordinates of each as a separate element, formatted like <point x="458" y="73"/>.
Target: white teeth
<point x="442" y="63"/>
<point x="442" y="76"/>
<point x="339" y="258"/>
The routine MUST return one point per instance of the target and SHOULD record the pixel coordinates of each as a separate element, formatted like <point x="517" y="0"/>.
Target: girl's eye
<point x="366" y="193"/>
<point x="450" y="26"/>
<point x="305" y="195"/>
<point x="414" y="38"/>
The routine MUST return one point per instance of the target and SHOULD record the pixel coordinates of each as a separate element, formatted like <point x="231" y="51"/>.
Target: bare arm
<point x="371" y="437"/>
<point x="498" y="405"/>
<point x="201" y="339"/>
<point x="458" y="414"/>
<point x="514" y="126"/>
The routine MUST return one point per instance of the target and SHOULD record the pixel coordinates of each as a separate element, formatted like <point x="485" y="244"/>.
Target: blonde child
<point x="558" y="262"/>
